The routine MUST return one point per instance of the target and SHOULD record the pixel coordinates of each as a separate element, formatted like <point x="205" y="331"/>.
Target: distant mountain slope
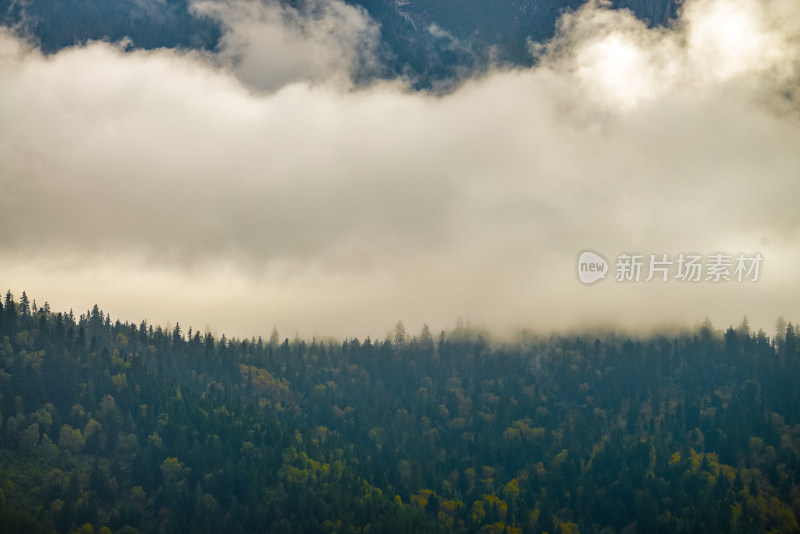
<point x="150" y="24"/>
<point x="475" y="29"/>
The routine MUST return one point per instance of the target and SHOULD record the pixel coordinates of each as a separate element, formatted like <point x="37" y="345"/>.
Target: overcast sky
<point x="256" y="186"/>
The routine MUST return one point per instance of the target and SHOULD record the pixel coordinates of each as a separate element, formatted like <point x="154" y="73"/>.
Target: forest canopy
<point x="108" y="426"/>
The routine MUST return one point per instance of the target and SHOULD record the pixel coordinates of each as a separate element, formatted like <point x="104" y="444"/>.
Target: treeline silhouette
<point x="122" y="427"/>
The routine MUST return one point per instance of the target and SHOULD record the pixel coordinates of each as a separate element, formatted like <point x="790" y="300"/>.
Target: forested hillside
<point x="120" y="427"/>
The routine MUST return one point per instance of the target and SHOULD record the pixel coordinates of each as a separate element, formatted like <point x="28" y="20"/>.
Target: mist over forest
<point x="293" y="164"/>
<point x="518" y="266"/>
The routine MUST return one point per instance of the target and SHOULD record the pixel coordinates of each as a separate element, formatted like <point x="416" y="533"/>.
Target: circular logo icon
<point x="592" y="267"/>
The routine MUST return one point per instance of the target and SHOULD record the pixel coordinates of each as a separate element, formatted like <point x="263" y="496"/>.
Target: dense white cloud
<point x="270" y="45"/>
<point x="617" y="60"/>
<point x="164" y="184"/>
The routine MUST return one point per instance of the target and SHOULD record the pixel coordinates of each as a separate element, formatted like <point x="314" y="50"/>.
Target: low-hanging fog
<point x="258" y="185"/>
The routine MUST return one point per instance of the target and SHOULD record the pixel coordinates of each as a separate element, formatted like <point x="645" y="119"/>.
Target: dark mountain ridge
<point x="479" y="31"/>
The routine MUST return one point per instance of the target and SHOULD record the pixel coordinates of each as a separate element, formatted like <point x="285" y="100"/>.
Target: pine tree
<point x="24" y="306"/>
<point x="10" y="314"/>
